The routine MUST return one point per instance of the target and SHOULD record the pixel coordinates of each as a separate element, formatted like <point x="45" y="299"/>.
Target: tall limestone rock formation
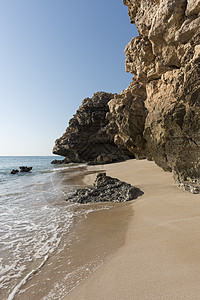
<point x="158" y="115"/>
<point x="165" y="62"/>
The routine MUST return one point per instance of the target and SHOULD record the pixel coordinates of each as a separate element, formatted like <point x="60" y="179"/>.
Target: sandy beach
<point x="95" y="234"/>
<point x="160" y="258"/>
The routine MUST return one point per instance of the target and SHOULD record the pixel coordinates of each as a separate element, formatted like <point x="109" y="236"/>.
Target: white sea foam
<point x="69" y="166"/>
<point x="73" y="279"/>
<point x="24" y="280"/>
<point x="31" y="226"/>
<point x="33" y="220"/>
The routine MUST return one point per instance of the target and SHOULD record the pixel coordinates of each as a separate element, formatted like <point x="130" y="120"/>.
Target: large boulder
<point x="106" y="189"/>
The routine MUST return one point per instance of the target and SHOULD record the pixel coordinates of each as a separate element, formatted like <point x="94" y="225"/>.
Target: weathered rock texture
<point x="127" y="118"/>
<point x="86" y="138"/>
<point x="158" y="116"/>
<point x="106" y="189"/>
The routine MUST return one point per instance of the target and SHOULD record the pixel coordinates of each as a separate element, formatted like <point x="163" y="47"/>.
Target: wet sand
<point x="93" y="239"/>
<point x="160" y="258"/>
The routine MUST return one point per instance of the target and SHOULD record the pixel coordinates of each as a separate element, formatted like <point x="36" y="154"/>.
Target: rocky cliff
<point x="86" y="139"/>
<point x="165" y="62"/>
<point x="158" y="115"/>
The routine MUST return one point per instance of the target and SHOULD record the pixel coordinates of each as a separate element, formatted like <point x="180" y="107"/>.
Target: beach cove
<point x="112" y="218"/>
<point x="160" y="258"/>
<point x="147" y="248"/>
<point x="49" y="245"/>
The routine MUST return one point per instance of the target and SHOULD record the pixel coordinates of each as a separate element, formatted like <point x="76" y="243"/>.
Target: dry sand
<point x="161" y="256"/>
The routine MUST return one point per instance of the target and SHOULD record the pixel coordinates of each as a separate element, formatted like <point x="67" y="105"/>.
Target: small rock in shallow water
<point x="14" y="171"/>
<point x="25" y="169"/>
<point x="106" y="189"/>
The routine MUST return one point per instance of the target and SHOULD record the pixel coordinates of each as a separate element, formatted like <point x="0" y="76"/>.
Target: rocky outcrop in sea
<point x="158" y="116"/>
<point x="22" y="169"/>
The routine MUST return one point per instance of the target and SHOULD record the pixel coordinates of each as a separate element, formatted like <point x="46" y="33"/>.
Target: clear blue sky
<point x="53" y="54"/>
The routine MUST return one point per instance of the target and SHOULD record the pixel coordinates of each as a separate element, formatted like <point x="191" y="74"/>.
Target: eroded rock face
<point x="105" y="159"/>
<point x="158" y="115"/>
<point x="86" y="138"/>
<point x="165" y="62"/>
<point x="127" y="119"/>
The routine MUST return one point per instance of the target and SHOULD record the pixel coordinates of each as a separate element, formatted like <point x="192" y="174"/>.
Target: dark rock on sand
<point x="106" y="189"/>
<point x="14" y="171"/>
<point x="25" y="169"/>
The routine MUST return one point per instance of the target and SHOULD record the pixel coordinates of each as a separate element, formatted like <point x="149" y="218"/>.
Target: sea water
<point x="34" y="217"/>
<point x="48" y="246"/>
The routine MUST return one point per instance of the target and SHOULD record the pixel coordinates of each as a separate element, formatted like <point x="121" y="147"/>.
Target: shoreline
<point x="96" y="233"/>
<point x="160" y="258"/>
